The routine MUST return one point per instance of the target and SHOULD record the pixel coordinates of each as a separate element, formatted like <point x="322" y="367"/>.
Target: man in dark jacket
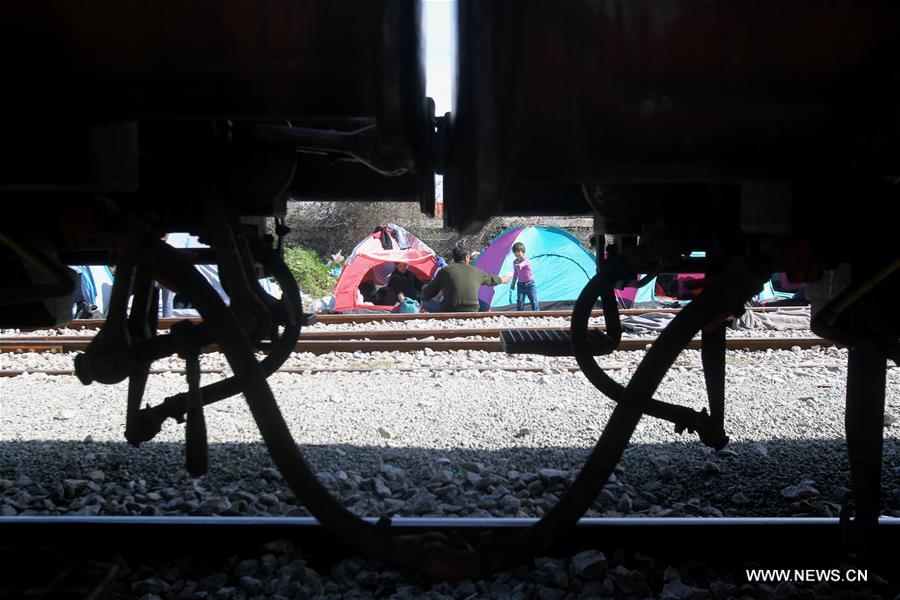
<point x="403" y="283"/>
<point x="460" y="282"/>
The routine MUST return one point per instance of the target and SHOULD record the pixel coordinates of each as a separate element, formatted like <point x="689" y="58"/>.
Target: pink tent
<point x="378" y="256"/>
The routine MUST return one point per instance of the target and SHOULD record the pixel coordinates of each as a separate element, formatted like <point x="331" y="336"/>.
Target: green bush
<point x="310" y="271"/>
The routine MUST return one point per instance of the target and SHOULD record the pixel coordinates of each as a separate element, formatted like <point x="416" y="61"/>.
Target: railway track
<point x="727" y="544"/>
<point x="439" y="340"/>
<point x="397" y="369"/>
<point x="335" y="319"/>
<point x="100" y="553"/>
<point x="768" y="539"/>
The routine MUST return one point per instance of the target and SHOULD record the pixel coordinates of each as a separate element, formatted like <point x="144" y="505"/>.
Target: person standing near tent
<point x="403" y="283"/>
<point x="460" y="282"/>
<point x="82" y="297"/>
<point x="167" y="296"/>
<point x="167" y="301"/>
<point x="522" y="273"/>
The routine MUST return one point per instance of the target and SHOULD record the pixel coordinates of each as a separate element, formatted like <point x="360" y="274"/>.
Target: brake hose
<point x="602" y="286"/>
<point x="175" y="406"/>
<point x="732" y="288"/>
<point x="235" y="345"/>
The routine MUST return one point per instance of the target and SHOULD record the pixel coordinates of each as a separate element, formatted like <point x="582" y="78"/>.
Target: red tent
<point x="378" y="255"/>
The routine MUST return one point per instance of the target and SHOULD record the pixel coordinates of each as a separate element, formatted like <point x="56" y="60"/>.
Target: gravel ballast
<point x="446" y="443"/>
<point x="431" y="443"/>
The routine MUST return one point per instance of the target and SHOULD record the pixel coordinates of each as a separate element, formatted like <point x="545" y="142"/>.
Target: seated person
<point x="367" y="289"/>
<point x="384" y="296"/>
<point x="403" y="284"/>
<point x="460" y="282"/>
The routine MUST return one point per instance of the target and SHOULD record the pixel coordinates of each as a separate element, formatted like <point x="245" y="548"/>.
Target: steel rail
<point x="334" y="319"/>
<point x="797" y="542"/>
<point x="397" y="369"/>
<point x="352" y="343"/>
<point x="341" y="335"/>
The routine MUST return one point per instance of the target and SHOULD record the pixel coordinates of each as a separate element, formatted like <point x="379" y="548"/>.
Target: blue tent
<point x="561" y="266"/>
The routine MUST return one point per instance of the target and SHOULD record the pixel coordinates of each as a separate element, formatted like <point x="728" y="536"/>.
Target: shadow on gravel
<point x="771" y="478"/>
